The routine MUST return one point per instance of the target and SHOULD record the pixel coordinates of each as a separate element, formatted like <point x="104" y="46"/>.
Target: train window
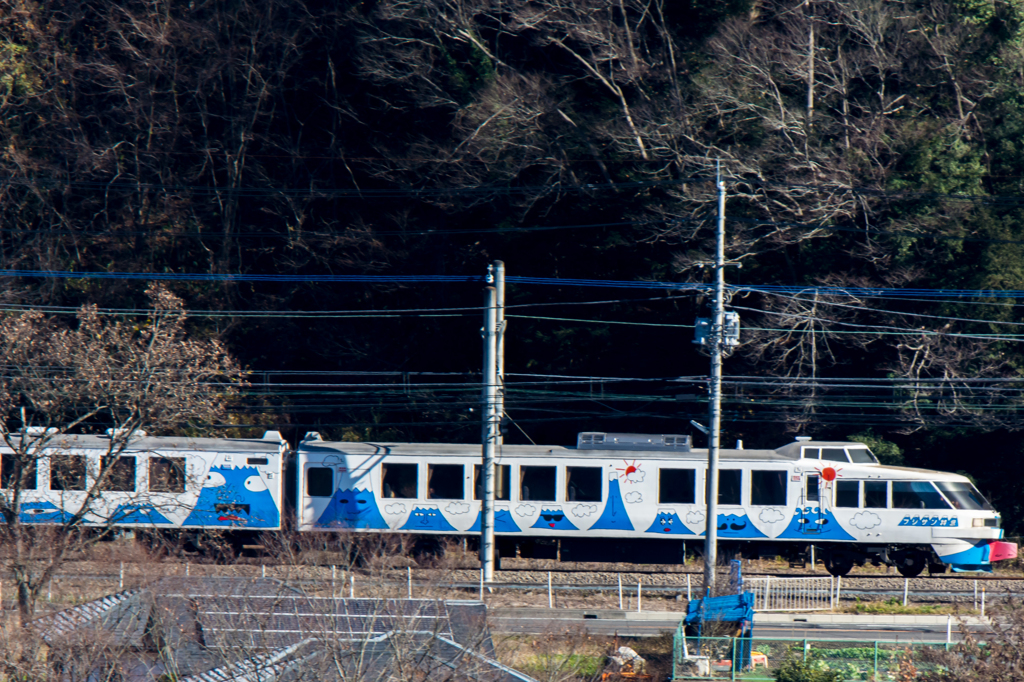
<point x="583" y="484"/>
<point x="537" y="483"/>
<point x="445" y="482"/>
<point x="677" y="486"/>
<point x="502" y="482"/>
<point x="876" y="494"/>
<point x="811" y="490"/>
<point x="812" y="453"/>
<point x="167" y="474"/>
<point x="67" y="472"/>
<point x="834" y="454"/>
<point x="400" y="480"/>
<point x="861" y="456"/>
<point x="120" y="473"/>
<point x="11" y="468"/>
<point x="730" y="486"/>
<point x="916" y="495"/>
<point x="768" y="488"/>
<point x="319" y="482"/>
<point x="962" y="495"/>
<point x="847" y="493"/>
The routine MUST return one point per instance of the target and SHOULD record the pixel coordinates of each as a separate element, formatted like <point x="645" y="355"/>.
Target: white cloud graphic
<point x="636" y="476"/>
<point x="865" y="520"/>
<point x="525" y="510"/>
<point x="771" y="515"/>
<point x="584" y="509"/>
<point x="695" y="517"/>
<point x="330" y="461"/>
<point x="396" y="508"/>
<point x="457" y="508"/>
<point x="634" y="496"/>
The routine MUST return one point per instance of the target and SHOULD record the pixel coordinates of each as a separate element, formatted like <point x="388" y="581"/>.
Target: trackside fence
<point x="854" y="660"/>
<point x="792" y="594"/>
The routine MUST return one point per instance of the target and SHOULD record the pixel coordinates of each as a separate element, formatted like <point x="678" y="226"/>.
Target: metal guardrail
<point x="792" y="594"/>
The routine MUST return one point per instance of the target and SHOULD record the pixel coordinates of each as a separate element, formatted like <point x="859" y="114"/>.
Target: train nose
<point x="998" y="551"/>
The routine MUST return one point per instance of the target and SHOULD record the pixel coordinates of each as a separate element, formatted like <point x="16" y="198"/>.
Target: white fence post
<point x="351" y="587"/>
<point x="263" y="570"/>
<point x="975" y="595"/>
<point x="767" y="589"/>
<point x="481" y="584"/>
<point x="906" y="589"/>
<point x="949" y="629"/>
<point x="839" y="589"/>
<point x="120" y="580"/>
<point x="638" y="595"/>
<point x="551" y="598"/>
<point x="620" y="592"/>
<point x="689" y="597"/>
<point x="409" y="580"/>
<point x="982" y="601"/>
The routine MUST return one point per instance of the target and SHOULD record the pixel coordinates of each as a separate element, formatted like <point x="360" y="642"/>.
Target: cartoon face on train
<point x="554" y="519"/>
<point x="427" y="518"/>
<point x="737" y="526"/>
<point x="352" y="508"/>
<point x="668" y="523"/>
<point x="815" y="522"/>
<point x="234" y="498"/>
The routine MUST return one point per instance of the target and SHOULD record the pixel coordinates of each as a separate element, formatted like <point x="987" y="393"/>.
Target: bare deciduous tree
<point x="100" y="375"/>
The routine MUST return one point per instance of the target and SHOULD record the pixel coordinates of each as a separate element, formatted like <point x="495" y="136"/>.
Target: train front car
<point x="910" y="518"/>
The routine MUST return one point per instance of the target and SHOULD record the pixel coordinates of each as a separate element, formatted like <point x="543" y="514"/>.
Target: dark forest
<point x="871" y="151"/>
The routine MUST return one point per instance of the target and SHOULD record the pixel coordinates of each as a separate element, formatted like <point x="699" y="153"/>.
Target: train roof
<point x="469" y="450"/>
<point x="267" y="444"/>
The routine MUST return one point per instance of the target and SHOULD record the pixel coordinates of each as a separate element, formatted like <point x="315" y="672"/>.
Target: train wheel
<point x="911" y="565"/>
<point x="838" y="564"/>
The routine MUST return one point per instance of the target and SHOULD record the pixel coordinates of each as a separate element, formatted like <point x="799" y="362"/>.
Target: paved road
<point x="783" y="626"/>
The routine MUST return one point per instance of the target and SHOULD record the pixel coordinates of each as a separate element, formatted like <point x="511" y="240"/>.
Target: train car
<point x="638" y="497"/>
<point x="159" y="482"/>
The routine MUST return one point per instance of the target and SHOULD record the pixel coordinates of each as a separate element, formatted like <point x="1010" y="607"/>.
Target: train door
<point x="318" y="483"/>
<point x="812" y="490"/>
<point x="811" y="517"/>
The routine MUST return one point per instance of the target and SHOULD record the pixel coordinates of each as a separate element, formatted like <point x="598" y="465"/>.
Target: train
<point x="611" y="497"/>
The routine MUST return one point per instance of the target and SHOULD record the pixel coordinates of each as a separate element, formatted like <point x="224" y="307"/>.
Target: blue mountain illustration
<point x="138" y="513"/>
<point x="503" y="522"/>
<point x="352" y="509"/>
<point x="733" y="526"/>
<point x="554" y="519"/>
<point x="427" y="518"/>
<point x="669" y="523"/>
<point x="614" y="516"/>
<point x="42" y="512"/>
<point x="814" y="522"/>
<point x="234" y="498"/>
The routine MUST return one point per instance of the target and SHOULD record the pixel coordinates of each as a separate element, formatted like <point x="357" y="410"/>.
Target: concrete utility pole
<point x="715" y="342"/>
<point x="491" y="419"/>
<point x="499" y="288"/>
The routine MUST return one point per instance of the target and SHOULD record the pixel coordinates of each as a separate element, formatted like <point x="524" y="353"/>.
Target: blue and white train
<point x="618" y="497"/>
<point x="613" y="497"/>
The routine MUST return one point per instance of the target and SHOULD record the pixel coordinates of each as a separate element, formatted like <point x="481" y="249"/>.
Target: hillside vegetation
<point x="874" y="144"/>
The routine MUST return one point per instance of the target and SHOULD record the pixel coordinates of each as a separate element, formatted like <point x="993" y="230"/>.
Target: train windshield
<point x="861" y="456"/>
<point x="963" y="495"/>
